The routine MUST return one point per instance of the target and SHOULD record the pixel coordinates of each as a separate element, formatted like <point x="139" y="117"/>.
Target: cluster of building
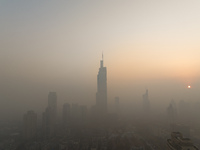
<point x="71" y="113"/>
<point x="81" y="129"/>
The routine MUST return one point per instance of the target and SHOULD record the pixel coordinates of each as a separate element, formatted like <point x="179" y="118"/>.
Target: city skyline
<point x="55" y="46"/>
<point x="99" y="75"/>
<point x="137" y="100"/>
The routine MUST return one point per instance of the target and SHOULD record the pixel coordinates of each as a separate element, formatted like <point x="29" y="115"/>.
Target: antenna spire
<point x="101" y="61"/>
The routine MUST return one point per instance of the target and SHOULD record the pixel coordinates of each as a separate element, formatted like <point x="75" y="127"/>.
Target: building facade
<point x="177" y="142"/>
<point x="146" y="102"/>
<point x="30" y="125"/>
<point x="101" y="95"/>
<point x="50" y="115"/>
<point x="66" y="114"/>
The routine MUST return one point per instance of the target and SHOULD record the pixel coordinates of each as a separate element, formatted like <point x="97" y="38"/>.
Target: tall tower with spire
<point x="101" y="95"/>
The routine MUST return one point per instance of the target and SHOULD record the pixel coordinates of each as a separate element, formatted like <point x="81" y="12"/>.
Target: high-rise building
<point x="101" y="95"/>
<point x="30" y="125"/>
<point x="75" y="112"/>
<point x="117" y="105"/>
<point x="66" y="114"/>
<point x="49" y="116"/>
<point x="83" y="113"/>
<point x="146" y="103"/>
<point x="184" y="112"/>
<point x="52" y="100"/>
<point x="172" y="115"/>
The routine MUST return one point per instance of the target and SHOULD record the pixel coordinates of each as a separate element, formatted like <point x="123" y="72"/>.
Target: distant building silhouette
<point x="172" y="115"/>
<point x="52" y="101"/>
<point x="30" y="125"/>
<point x="173" y="103"/>
<point x="101" y="95"/>
<point x="117" y="105"/>
<point x="184" y="112"/>
<point x="177" y="142"/>
<point x="146" y="103"/>
<point x="66" y="114"/>
<point x="83" y="113"/>
<point x="75" y="112"/>
<point x="50" y="115"/>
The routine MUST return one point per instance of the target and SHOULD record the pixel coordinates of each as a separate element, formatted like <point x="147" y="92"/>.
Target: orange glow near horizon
<point x="135" y="62"/>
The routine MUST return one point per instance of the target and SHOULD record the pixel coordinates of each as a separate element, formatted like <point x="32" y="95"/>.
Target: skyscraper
<point x="146" y="103"/>
<point x="172" y="115"/>
<point x="117" y="105"/>
<point x="52" y="100"/>
<point x="49" y="116"/>
<point x="101" y="95"/>
<point x="30" y="125"/>
<point x="83" y="113"/>
<point x="66" y="114"/>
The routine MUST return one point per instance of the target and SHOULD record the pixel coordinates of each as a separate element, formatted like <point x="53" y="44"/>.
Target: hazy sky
<point x="57" y="45"/>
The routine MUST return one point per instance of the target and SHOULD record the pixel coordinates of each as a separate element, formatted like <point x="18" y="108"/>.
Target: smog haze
<point x="57" y="45"/>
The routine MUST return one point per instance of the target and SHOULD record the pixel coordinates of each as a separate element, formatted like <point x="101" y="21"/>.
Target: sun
<point x="188" y="86"/>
